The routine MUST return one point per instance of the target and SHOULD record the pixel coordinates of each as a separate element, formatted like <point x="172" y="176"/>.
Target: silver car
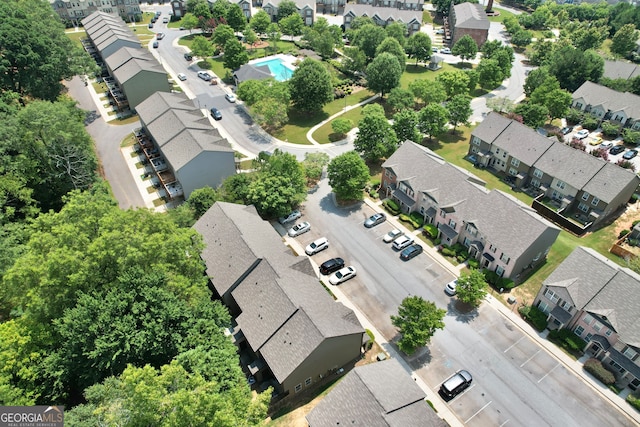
<point x="298" y="229"/>
<point x="392" y="235"/>
<point x="291" y="217"/>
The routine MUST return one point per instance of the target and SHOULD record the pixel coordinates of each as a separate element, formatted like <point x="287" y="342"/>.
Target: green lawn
<point x="76" y="36"/>
<point x="412" y="73"/>
<point x="324" y="133"/>
<point x="503" y="15"/>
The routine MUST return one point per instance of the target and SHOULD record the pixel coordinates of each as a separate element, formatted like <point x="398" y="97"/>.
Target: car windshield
<point x="339" y="275"/>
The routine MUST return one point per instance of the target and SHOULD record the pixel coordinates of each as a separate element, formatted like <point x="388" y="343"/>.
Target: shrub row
<point x="634" y="401"/>
<point x="534" y="316"/>
<point x="498" y="282"/>
<point x="568" y="340"/>
<point x="430" y="230"/>
<point x="391" y="206"/>
<point x="597" y="369"/>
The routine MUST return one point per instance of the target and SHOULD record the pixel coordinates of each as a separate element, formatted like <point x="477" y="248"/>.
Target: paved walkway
<point x="508" y="312"/>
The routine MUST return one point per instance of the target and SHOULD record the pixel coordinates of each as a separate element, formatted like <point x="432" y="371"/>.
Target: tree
<point x="270" y="114"/>
<point x="474" y="78"/>
<point x="392" y="46"/>
<point x="557" y="103"/>
<point x="375" y="138"/>
<point x="292" y="25"/>
<point x="419" y="47"/>
<point x="235" y="18"/>
<point x="533" y="115"/>
<point x="500" y="104"/>
<point x="201" y="47"/>
<point x="589" y="36"/>
<point x="489" y="74"/>
<point x="273" y="35"/>
<point x="624" y="40"/>
<point x="562" y="65"/>
<point x="428" y="91"/>
<point x="405" y="126"/>
<point x="313" y="165"/>
<point x="189" y="21"/>
<point x="250" y="37"/>
<point x="36" y="53"/>
<point x="417" y="321"/>
<point x="222" y="34"/>
<point x="201" y="199"/>
<point x="311" y="86"/>
<point x="536" y="78"/>
<point x="540" y="51"/>
<point x="399" y="99"/>
<point x="471" y="288"/>
<point x="459" y="108"/>
<point x="397" y="31"/>
<point x="348" y="175"/>
<point x="286" y="8"/>
<point x="235" y="54"/>
<point x="354" y="60"/>
<point x="383" y="74"/>
<point x="260" y="21"/>
<point x="455" y="82"/>
<point x="322" y="37"/>
<point x="341" y="126"/>
<point x="433" y="120"/>
<point x="466" y="48"/>
<point x="522" y="38"/>
<point x="368" y="38"/>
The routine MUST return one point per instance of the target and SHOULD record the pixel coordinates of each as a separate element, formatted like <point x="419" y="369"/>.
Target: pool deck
<point x="287" y="60"/>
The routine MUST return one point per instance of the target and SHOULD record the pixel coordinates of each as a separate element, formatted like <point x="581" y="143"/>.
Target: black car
<point x="566" y="130"/>
<point x="630" y="154"/>
<point x="155" y="45"/>
<point x="188" y="56"/>
<point x="410" y="252"/>
<point x="616" y="149"/>
<point x="216" y="114"/>
<point x="334" y="264"/>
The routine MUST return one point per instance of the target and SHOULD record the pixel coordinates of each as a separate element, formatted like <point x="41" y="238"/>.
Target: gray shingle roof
<point x="135" y="66"/>
<point x="189" y="144"/>
<point x="596" y="284"/>
<point x="609" y="181"/>
<point x="380" y="394"/>
<point x="470" y="15"/>
<point x="611" y="100"/>
<point x="253" y="72"/>
<point x="522" y="142"/>
<point x="160" y="102"/>
<point x="125" y="54"/>
<point x="492" y="126"/>
<point x="572" y="166"/>
<point x="384" y="13"/>
<point x="620" y="70"/>
<point x="496" y="214"/>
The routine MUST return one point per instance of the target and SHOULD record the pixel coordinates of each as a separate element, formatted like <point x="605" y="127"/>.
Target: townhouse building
<point x="502" y="233"/>
<point x="306" y="9"/>
<point x="608" y="104"/>
<point x="398" y="4"/>
<point x="383" y="16"/>
<point x="73" y="11"/>
<point x="569" y="186"/>
<point x="468" y="19"/>
<point x="598" y="300"/>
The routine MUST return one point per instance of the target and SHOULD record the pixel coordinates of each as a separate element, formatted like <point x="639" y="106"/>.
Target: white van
<point x="204" y="76"/>
<point x="182" y="77"/>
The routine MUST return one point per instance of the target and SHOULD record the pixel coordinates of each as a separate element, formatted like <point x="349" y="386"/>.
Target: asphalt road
<point x="516" y="382"/>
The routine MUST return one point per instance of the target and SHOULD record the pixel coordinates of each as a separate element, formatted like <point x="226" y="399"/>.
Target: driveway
<point x="516" y="382"/>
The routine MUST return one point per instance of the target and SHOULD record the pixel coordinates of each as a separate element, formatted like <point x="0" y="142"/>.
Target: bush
<point x="590" y="122"/>
<point x="448" y="252"/>
<point x="610" y="129"/>
<point x="430" y="231"/>
<point x="568" y="340"/>
<point x="437" y="241"/>
<point x="574" y="116"/>
<point x="630" y="136"/>
<point x="473" y="263"/>
<point x="634" y="401"/>
<point x="417" y="219"/>
<point x="623" y="233"/>
<point x="391" y="206"/>
<point x="595" y="368"/>
<point x="410" y="220"/>
<point x="634" y="223"/>
<point x="534" y="316"/>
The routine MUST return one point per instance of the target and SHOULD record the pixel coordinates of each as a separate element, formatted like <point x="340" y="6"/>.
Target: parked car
<point x="159" y="36"/>
<point x="445" y="50"/>
<point x="605" y="145"/>
<point x="375" y="219"/>
<point x="402" y="242"/>
<point x="434" y="49"/>
<point x="450" y="288"/>
<point x="165" y="20"/>
<point x="566" y="130"/>
<point x="182" y="76"/>
<point x="616" y="149"/>
<point x="298" y="229"/>
<point x="581" y="134"/>
<point x="342" y="275"/>
<point x="216" y="114"/>
<point x="595" y="141"/>
<point x="630" y="154"/>
<point x="291" y="217"/>
<point x="410" y="252"/>
<point x="204" y="76"/>
<point x="150" y="24"/>
<point x="331" y="265"/>
<point x="392" y="235"/>
<point x="440" y="31"/>
<point x="188" y="56"/>
<point x="155" y="45"/>
<point x="230" y="97"/>
<point x="316" y="246"/>
<point x="456" y="384"/>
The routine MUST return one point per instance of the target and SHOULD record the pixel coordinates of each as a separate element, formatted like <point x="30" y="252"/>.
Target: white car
<point x="299" y="229"/>
<point x="317" y="246"/>
<point x="342" y="275"/>
<point x="230" y="97"/>
<point x="450" y="288"/>
<point x="402" y="242"/>
<point x="392" y="235"/>
<point x="440" y="31"/>
<point x="288" y="218"/>
<point x="182" y="76"/>
<point x="445" y="50"/>
<point x="582" y="134"/>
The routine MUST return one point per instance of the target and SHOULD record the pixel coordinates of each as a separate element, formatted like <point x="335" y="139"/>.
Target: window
<point x="579" y="105"/>
<point x="595" y="201"/>
<point x="307" y="382"/>
<point x="499" y="271"/>
<point x="466" y="242"/>
<point x="597" y="326"/>
<point x="443" y="214"/>
<point x="587" y="319"/>
<point x="579" y="331"/>
<point x="497" y="151"/>
<point x="608" y="333"/>
<point x="630" y="353"/>
<point x="560" y="184"/>
<point x="387" y="173"/>
<point x="513" y="171"/>
<point x="543" y="306"/>
<point x="550" y="295"/>
<point x="298" y="387"/>
<point x="535" y="183"/>
<point x="615" y="366"/>
<point x="583" y="207"/>
<point x="537" y="173"/>
<point x="452" y="224"/>
<point x="471" y="230"/>
<point x="515" y="162"/>
<point x="421" y="210"/>
<point x="566" y="306"/>
<point x="587" y="337"/>
<point x="585" y="196"/>
<point x="475" y="140"/>
<point x="504" y="258"/>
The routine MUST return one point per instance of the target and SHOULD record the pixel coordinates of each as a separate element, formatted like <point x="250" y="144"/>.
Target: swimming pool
<point x="278" y="69"/>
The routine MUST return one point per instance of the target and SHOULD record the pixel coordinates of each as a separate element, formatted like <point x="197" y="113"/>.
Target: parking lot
<point x="592" y="142"/>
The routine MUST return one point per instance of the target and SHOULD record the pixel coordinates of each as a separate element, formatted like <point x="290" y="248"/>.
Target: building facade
<point x="73" y="11"/>
<point x="468" y="19"/>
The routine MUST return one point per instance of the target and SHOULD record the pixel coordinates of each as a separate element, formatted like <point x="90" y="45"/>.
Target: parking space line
<point x="547" y="374"/>
<point x="526" y="361"/>
<point x="512" y="345"/>
<point x="478" y="411"/>
<point x="504" y="423"/>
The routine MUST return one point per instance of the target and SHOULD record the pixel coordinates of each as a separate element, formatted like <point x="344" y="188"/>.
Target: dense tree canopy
<point x="368" y="38"/>
<point x="392" y="46"/>
<point x="311" y="86"/>
<point x="562" y="65"/>
<point x="466" y="48"/>
<point x="376" y="138"/>
<point x="419" y="47"/>
<point x="417" y="321"/>
<point x="348" y="175"/>
<point x="235" y="54"/>
<point x="383" y="73"/>
<point x="405" y="124"/>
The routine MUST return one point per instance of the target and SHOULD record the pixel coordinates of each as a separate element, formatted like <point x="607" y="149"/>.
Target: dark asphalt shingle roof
<point x="252" y="72"/>
<point x="380" y="394"/>
<point x="610" y="100"/>
<point x="620" y="70"/>
<point x="383" y="13"/>
<point x="567" y="164"/>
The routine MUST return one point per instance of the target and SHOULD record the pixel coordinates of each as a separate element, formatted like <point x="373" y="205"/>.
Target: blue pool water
<point x="277" y="68"/>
